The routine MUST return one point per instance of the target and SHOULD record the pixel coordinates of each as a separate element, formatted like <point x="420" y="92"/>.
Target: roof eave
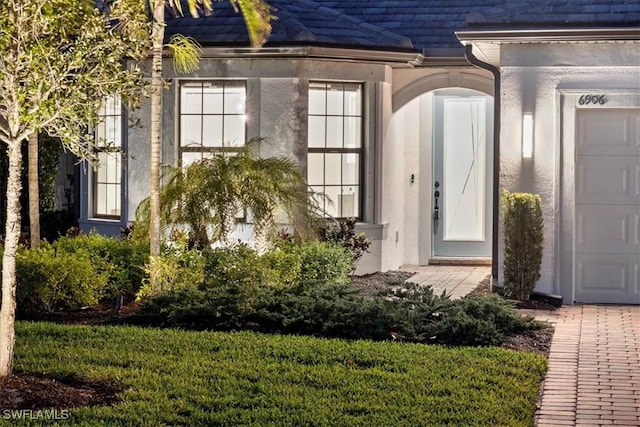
<point x="548" y="35"/>
<point x="315" y="52"/>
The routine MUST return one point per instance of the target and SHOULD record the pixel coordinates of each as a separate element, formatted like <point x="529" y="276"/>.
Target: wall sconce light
<point x="527" y="136"/>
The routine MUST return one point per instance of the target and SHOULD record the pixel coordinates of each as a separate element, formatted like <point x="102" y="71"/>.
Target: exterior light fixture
<point x="527" y="136"/>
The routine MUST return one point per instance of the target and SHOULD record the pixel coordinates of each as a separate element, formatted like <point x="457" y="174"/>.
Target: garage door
<point x="607" y="221"/>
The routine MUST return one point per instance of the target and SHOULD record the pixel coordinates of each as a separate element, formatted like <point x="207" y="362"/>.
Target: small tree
<point x="523" y="243"/>
<point x="60" y="59"/>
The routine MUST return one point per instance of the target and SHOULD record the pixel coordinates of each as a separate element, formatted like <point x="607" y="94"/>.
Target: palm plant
<point x="256" y="15"/>
<point x="205" y="197"/>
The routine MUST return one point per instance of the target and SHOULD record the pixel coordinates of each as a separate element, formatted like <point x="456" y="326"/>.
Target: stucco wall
<point x="532" y="78"/>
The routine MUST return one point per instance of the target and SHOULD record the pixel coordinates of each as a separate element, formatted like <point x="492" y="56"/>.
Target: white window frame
<point x="333" y="118"/>
<point x="107" y="173"/>
<point x="204" y="121"/>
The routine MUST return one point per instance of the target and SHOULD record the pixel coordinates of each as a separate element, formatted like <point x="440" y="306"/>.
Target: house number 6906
<point x="592" y="99"/>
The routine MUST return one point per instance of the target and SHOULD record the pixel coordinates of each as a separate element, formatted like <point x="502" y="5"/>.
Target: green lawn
<point x="208" y="378"/>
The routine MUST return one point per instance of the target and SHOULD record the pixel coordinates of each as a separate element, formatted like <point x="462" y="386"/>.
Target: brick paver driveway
<point x="594" y="367"/>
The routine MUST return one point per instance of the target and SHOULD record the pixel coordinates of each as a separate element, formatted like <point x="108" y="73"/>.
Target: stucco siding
<point x="532" y="78"/>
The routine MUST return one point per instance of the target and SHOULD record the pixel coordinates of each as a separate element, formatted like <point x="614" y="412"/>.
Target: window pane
<point x="350" y="169"/>
<point x="112" y="131"/>
<point x="316" y="131"/>
<point x="352" y="100"/>
<point x="334" y="132"/>
<point x="191" y="99"/>
<point x="111" y="167"/>
<point x="315" y="168"/>
<point x="212" y="131"/>
<point x="101" y="168"/>
<point x="348" y="202"/>
<point x="234" y="98"/>
<point x="212" y="100"/>
<point x="190" y="131"/>
<point x="234" y="135"/>
<point x="331" y="205"/>
<point x="317" y="99"/>
<point x="101" y="134"/>
<point x="188" y="158"/>
<point x="112" y="200"/>
<point x="335" y="100"/>
<point x="101" y="199"/>
<point x="352" y="129"/>
<point x="332" y="168"/>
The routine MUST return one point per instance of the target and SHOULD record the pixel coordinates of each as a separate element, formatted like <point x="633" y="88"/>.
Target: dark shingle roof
<point x="402" y="24"/>
<point x="432" y="23"/>
<point x="299" y="22"/>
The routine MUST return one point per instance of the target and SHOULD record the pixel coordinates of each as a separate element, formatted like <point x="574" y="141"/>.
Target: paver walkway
<point x="457" y="281"/>
<point x="594" y="367"/>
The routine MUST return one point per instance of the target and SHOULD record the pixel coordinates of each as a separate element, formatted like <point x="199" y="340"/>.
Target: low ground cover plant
<point x="239" y="289"/>
<point x="173" y="377"/>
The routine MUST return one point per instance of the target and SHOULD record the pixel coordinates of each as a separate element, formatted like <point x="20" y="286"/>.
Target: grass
<point x="177" y="377"/>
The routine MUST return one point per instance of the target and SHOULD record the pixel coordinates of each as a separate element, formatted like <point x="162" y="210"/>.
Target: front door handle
<point x="436" y="208"/>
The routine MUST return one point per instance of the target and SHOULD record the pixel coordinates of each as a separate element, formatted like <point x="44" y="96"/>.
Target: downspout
<point x="468" y="54"/>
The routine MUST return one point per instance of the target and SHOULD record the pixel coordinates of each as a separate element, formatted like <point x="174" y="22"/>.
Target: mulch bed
<point x="34" y="392"/>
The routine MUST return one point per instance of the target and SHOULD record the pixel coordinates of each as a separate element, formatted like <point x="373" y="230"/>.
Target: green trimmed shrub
<point x="523" y="241"/>
<point x="177" y="268"/>
<point x="321" y="262"/>
<point x="51" y="280"/>
<point x="121" y="260"/>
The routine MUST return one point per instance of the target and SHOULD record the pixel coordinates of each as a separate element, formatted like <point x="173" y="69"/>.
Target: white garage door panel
<point x="608" y="278"/>
<point x="608" y="180"/>
<point x="607" y="229"/>
<point x="607" y="210"/>
<point x="608" y="132"/>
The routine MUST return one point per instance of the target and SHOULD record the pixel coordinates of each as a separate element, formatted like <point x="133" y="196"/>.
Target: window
<point x="334" y="161"/>
<point x="212" y="118"/>
<point x="107" y="175"/>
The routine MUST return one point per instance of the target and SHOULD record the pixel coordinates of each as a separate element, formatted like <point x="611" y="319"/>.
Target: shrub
<point x="282" y="269"/>
<point x="342" y="232"/>
<point x="415" y="314"/>
<point x="321" y="262"/>
<point x="176" y="269"/>
<point x="484" y="320"/>
<point x="121" y="260"/>
<point x="523" y="239"/>
<point x="53" y="280"/>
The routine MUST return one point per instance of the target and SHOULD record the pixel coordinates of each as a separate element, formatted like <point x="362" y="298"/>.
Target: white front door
<point x="463" y="165"/>
<point x="607" y="210"/>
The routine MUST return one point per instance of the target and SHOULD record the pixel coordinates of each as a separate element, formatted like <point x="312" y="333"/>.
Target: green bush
<point x="321" y="262"/>
<point x="485" y="320"/>
<point x="523" y="240"/>
<point x="121" y="260"/>
<point x="175" y="269"/>
<point x="282" y="269"/>
<point x="50" y="280"/>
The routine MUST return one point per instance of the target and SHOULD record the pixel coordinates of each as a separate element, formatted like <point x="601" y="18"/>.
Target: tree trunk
<point x="228" y="222"/>
<point x="156" y="121"/>
<point x="34" y="192"/>
<point x="261" y="229"/>
<point x="12" y="235"/>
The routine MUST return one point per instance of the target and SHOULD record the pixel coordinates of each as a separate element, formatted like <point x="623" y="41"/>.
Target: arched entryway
<point x="447" y="133"/>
